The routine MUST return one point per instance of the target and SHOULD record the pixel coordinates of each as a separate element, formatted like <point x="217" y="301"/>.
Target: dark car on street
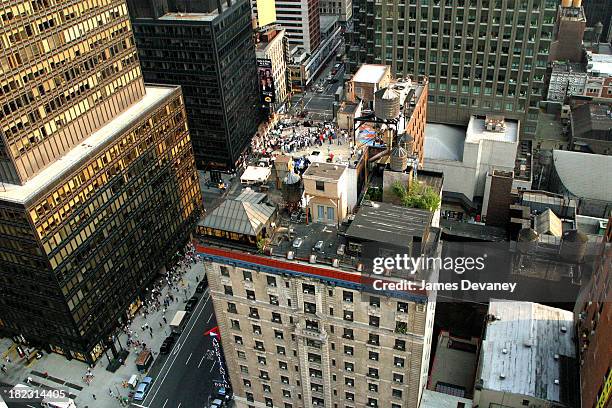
<point x="202" y="285"/>
<point x="167" y="345"/>
<point x="191" y="303"/>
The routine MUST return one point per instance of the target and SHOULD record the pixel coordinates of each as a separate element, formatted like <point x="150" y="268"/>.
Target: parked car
<point x="191" y="303"/>
<point x="143" y="388"/>
<point x="167" y="344"/>
<point x="217" y="404"/>
<point x="202" y="286"/>
<point x="318" y="246"/>
<point x="298" y="242"/>
<point x="223" y="393"/>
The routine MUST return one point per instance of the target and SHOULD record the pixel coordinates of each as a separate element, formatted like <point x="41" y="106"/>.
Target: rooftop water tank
<point x="573" y="246"/>
<point x="398" y="158"/>
<point x="386" y="104"/>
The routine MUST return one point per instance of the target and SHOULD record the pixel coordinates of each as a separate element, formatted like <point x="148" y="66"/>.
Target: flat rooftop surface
<point x="477" y="131"/>
<point x="83" y="152"/>
<point x="601" y="63"/>
<point x="370" y="73"/>
<point x="324" y="171"/>
<point x="433" y="399"/>
<point x="387" y="223"/>
<point x="454" y="366"/>
<point x="444" y="142"/>
<point x="190" y="16"/>
<point x="524" y="349"/>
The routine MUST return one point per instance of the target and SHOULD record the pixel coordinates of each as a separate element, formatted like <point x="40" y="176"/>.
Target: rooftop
<point x="324" y="171"/>
<point x="239" y="217"/>
<point x="444" y="142"/>
<point x="601" y="63"/>
<point x="522" y="163"/>
<point x="433" y="399"/>
<point x="389" y="224"/>
<point x="476" y="131"/>
<point x="89" y="147"/>
<point x="585" y="175"/>
<point x="528" y="350"/>
<point x="210" y="16"/>
<point x="327" y="22"/>
<point x="370" y="73"/>
<point x="454" y="365"/>
<point x="593" y="121"/>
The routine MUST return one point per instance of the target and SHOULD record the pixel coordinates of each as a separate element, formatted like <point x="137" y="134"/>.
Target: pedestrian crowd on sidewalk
<point x="156" y="301"/>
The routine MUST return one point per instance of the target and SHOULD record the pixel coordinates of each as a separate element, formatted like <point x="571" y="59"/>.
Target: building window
<point x="244" y="369"/>
<point x="374" y="301"/>
<point x="261" y="360"/>
<point x="373" y="339"/>
<point x="321" y="212"/>
<point x="320" y="185"/>
<point x="400" y="345"/>
<point x="241" y="354"/>
<point x="224" y="270"/>
<point x="238" y="340"/>
<point x="372" y="387"/>
<point x="372" y="355"/>
<point x="348" y="315"/>
<point x="350" y="382"/>
<point x="250" y="295"/>
<point x="372" y="402"/>
<point x="348" y="350"/>
<point x="231" y="308"/>
<point x="396" y="393"/>
<point x="228" y="290"/>
<point x="271" y="281"/>
<point x="310" y="307"/>
<point x="249" y="397"/>
<point x="308" y="289"/>
<point x="347" y="296"/>
<point x="374" y="321"/>
<point x="273" y="300"/>
<point x="276" y="317"/>
<point x="266" y="388"/>
<point x="280" y="350"/>
<point x="259" y="346"/>
<point x="349" y="366"/>
<point x="348" y="334"/>
<point x="269" y="402"/>
<point x="247" y="383"/>
<point x="248" y="276"/>
<point x="235" y="324"/>
<point x="278" y="334"/>
<point x="264" y="375"/>
<point x="256" y="329"/>
<point x="253" y="313"/>
<point x="398" y="378"/>
<point x="373" y="372"/>
<point x="399" y="362"/>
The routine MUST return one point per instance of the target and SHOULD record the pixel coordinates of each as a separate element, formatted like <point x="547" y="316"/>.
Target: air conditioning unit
<point x="279" y="337"/>
<point x="402" y="310"/>
<point x="350" y="353"/>
<point x="262" y="362"/>
<point x="248" y="279"/>
<point x="349" y="369"/>
<point x="257" y="332"/>
<point x="398" y="364"/>
<point x="397" y="380"/>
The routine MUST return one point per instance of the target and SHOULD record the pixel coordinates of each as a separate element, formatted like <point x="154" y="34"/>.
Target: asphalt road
<point x="185" y="377"/>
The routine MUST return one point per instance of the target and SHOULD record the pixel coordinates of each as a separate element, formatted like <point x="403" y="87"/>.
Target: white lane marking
<point x="165" y="402"/>
<point x="203" y="357"/>
<point x="210" y="318"/>
<point x="179" y="405"/>
<point x="193" y="322"/>
<point x="212" y="366"/>
<point x="188" y="358"/>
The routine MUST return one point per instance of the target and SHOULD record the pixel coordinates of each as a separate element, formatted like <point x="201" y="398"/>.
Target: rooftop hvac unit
<point x="504" y="351"/>
<point x="556" y="356"/>
<point x="563" y="329"/>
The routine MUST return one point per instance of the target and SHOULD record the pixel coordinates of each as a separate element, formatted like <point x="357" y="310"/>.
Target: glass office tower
<point x="480" y="55"/>
<point x="99" y="187"/>
<point x="206" y="47"/>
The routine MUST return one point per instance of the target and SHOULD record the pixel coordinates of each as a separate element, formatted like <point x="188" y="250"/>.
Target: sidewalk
<point x="105" y="387"/>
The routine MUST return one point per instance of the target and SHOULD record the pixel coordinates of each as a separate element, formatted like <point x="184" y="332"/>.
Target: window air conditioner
<point x="349" y="369"/>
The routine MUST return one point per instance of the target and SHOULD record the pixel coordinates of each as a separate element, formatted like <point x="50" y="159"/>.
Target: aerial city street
<point x="305" y="203"/>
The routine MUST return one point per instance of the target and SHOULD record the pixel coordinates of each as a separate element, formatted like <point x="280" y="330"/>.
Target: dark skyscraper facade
<point x="480" y="56"/>
<point x="99" y="187"/>
<point x="208" y="49"/>
<point x="599" y="11"/>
